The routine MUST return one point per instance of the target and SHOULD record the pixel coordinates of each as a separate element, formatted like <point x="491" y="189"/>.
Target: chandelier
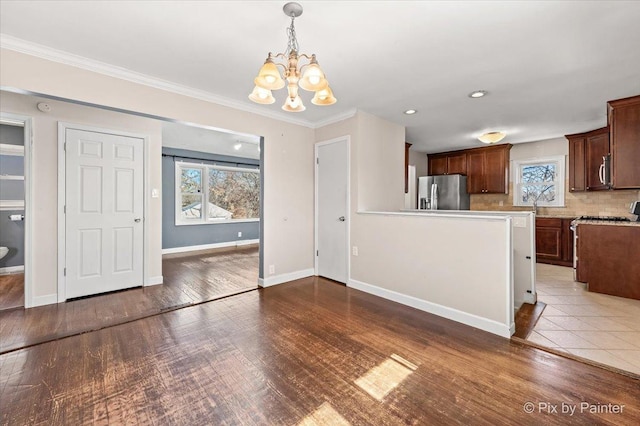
<point x="308" y="76"/>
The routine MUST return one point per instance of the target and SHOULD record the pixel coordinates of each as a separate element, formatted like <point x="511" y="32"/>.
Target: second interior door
<point x="333" y="177"/>
<point x="104" y="212"/>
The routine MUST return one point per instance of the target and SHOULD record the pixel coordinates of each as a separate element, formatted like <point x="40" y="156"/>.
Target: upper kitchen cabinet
<point x="624" y="132"/>
<point x="437" y="164"/>
<point x="488" y="170"/>
<point x="457" y="163"/>
<point x="587" y="153"/>
<point x="449" y="163"/>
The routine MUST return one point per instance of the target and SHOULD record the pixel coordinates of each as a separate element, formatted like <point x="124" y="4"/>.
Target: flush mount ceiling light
<point x="492" y="137"/>
<point x="410" y="111"/>
<point x="308" y="76"/>
<point x="478" y="94"/>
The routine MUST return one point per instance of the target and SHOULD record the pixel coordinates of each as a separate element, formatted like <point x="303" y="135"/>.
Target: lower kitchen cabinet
<point x="554" y="241"/>
<point x="609" y="259"/>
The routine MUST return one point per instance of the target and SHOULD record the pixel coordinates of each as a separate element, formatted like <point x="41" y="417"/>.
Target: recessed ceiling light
<point x="478" y="94"/>
<point x="410" y="111"/>
<point x="237" y="146"/>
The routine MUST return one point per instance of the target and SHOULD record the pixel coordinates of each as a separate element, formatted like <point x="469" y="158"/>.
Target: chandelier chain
<point x="293" y="41"/>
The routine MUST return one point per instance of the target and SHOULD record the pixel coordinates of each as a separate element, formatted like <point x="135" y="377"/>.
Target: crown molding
<point x="54" y="55"/>
<point x="335" y="118"/>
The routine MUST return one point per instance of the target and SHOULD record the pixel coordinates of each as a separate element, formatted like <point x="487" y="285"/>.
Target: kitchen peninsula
<point x="608" y="257"/>
<point x="415" y="258"/>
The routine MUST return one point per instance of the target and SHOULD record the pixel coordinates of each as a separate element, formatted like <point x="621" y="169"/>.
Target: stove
<point x="605" y="218"/>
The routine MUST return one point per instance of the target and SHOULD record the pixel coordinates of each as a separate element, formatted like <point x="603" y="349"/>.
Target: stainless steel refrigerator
<point x="443" y="192"/>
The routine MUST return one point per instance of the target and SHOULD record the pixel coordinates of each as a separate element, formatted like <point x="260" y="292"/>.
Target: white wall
<point x="419" y="159"/>
<point x="288" y="148"/>
<point x="380" y="160"/>
<point x="45" y="174"/>
<point x="458" y="268"/>
<point x="539" y="149"/>
<point x="455" y="268"/>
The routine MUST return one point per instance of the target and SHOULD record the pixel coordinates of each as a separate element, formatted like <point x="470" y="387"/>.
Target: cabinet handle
<point x="573" y="189"/>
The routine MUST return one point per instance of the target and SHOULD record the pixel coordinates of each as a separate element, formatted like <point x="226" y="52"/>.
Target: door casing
<point x="62" y="170"/>
<point x="27" y="123"/>
<point x="342" y="139"/>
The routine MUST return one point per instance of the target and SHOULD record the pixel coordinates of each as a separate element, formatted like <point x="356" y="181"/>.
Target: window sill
<point x="215" y="222"/>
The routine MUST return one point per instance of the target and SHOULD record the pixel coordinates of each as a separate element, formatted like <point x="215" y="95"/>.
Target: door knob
<point x="341" y="218"/>
<point x="137" y="219"/>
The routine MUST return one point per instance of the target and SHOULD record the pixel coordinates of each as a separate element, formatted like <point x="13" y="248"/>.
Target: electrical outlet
<point x="501" y="203"/>
<point x="272" y="269"/>
<point x="354" y="250"/>
<point x="239" y="234"/>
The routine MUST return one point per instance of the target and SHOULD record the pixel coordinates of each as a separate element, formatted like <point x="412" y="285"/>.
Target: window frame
<point x="204" y="220"/>
<point x="560" y="161"/>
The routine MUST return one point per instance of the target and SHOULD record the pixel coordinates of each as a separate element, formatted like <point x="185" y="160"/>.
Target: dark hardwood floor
<point x="11" y="291"/>
<point x="188" y="279"/>
<point x="527" y="317"/>
<point x="306" y="352"/>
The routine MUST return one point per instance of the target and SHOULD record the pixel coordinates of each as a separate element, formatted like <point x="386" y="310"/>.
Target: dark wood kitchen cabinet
<point x="586" y="155"/>
<point x="607" y="262"/>
<point x="437" y="164"/>
<point x="448" y="163"/>
<point x="554" y="241"/>
<point x="457" y="164"/>
<point x="488" y="170"/>
<point x="624" y="128"/>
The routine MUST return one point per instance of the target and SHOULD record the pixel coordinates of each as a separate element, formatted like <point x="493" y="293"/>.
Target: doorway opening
<point x="15" y="153"/>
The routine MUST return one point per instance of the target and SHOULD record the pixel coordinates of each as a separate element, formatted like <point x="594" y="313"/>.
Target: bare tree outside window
<point x="538" y="183"/>
<point x="211" y="194"/>
<point x="191" y="193"/>
<point x="237" y="192"/>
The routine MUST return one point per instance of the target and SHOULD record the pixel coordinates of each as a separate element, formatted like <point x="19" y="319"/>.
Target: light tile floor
<point x="596" y="326"/>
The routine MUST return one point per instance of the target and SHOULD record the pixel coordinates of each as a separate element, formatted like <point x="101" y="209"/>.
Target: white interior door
<point x="332" y="203"/>
<point x="104" y="212"/>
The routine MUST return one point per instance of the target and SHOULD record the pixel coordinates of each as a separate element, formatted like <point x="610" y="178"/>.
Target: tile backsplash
<point x="591" y="203"/>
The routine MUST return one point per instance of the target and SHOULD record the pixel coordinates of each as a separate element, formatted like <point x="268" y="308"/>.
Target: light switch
<point x="155" y="193"/>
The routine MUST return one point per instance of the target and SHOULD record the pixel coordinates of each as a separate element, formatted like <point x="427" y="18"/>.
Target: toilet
<point x="3" y="251"/>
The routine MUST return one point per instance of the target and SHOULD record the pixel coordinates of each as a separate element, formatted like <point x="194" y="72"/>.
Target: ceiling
<point x="549" y="67"/>
<point x="194" y="138"/>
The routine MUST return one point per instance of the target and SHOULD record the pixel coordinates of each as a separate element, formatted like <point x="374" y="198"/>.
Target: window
<point x="228" y="194"/>
<point x="539" y="180"/>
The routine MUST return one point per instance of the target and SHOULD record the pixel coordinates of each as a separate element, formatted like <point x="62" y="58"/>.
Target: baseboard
<point x="11" y="269"/>
<point x="472" y="320"/>
<point x="531" y="298"/>
<point x="154" y="280"/>
<point x="47" y="299"/>
<point x="279" y="279"/>
<point x="209" y="246"/>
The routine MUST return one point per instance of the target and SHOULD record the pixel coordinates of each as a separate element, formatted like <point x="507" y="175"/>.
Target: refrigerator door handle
<point x="434" y="196"/>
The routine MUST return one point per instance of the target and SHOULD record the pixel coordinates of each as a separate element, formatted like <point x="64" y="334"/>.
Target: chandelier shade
<point x="307" y="76"/>
<point x="293" y="104"/>
<point x="262" y="96"/>
<point x="324" y="97"/>
<point x="269" y="77"/>
<point x="313" y="78"/>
